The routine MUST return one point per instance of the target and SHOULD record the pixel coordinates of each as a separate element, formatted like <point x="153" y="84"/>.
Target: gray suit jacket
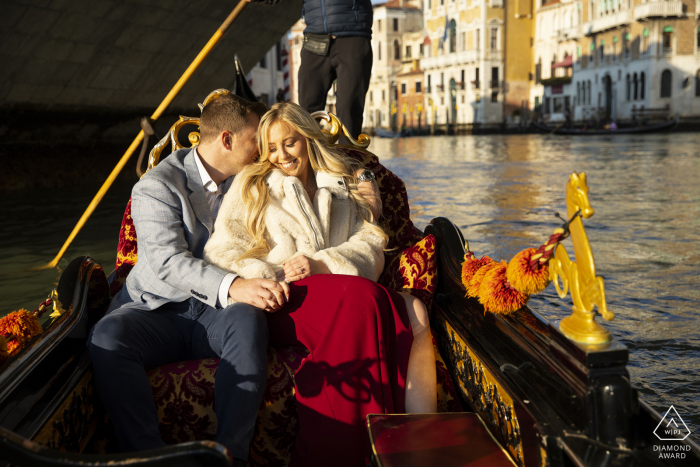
<point x="173" y="223"/>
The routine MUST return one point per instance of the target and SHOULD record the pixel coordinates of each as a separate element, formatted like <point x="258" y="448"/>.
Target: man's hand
<point x="300" y="267"/>
<point x="262" y="293"/>
<point x="370" y="192"/>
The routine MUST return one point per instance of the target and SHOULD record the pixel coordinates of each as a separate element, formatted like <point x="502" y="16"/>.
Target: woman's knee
<point x="417" y="313"/>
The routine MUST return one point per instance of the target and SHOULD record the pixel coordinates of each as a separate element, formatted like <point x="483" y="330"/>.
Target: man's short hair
<point x="226" y="112"/>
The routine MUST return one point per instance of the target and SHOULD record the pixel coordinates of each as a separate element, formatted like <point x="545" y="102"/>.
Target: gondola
<point x="382" y="133"/>
<point x="559" y="130"/>
<point x="537" y="396"/>
<point x="517" y="389"/>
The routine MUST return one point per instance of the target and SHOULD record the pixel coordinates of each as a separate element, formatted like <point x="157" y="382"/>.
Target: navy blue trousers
<point x="129" y="341"/>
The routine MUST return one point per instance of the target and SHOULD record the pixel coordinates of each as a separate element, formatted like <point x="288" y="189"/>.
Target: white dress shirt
<point x="214" y="196"/>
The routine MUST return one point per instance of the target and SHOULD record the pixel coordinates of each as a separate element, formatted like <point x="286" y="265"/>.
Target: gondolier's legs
<point x="350" y="61"/>
<point x="129" y="341"/>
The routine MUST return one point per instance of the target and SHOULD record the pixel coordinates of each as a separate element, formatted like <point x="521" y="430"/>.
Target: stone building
<point x="410" y="104"/>
<point x="396" y="42"/>
<point x="625" y="55"/>
<point x="463" y="61"/>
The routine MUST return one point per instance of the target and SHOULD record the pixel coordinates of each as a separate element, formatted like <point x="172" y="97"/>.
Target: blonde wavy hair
<point x="323" y="157"/>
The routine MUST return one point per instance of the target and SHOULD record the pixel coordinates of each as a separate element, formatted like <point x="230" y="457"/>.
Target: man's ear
<point x="227" y="140"/>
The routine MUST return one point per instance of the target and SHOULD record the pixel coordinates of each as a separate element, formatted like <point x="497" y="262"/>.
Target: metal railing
<point x="609" y="21"/>
<point x="663" y="8"/>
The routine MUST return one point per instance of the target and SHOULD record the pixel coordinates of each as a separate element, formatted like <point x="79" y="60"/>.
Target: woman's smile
<point x="288" y="150"/>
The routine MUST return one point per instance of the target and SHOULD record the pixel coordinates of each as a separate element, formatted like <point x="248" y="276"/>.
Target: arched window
<point x="453" y="36"/>
<point x="645" y="41"/>
<point x="641" y="86"/>
<point x="635" y="85"/>
<point x="397" y="50"/>
<point x="666" y="83"/>
<point x="627" y="87"/>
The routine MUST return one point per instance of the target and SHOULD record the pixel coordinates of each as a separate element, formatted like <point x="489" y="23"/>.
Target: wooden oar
<point x="158" y="112"/>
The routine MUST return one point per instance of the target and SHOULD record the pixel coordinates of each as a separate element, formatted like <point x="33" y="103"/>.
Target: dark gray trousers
<point x="128" y="341"/>
<point x="349" y="60"/>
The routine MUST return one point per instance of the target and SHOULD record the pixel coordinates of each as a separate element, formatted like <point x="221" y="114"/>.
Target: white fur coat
<point x="328" y="230"/>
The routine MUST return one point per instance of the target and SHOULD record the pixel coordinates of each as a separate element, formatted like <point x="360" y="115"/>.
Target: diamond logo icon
<point x="672" y="427"/>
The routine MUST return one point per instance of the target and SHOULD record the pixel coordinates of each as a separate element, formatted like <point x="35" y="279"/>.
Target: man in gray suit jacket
<point x="174" y="306"/>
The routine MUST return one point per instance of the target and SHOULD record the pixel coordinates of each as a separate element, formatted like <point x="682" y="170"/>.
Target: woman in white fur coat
<point x="296" y="216"/>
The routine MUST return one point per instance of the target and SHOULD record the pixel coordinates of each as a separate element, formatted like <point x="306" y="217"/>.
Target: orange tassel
<point x="19" y="326"/>
<point x="485" y="264"/>
<point x="523" y="277"/>
<point x="470" y="266"/>
<point x="496" y="294"/>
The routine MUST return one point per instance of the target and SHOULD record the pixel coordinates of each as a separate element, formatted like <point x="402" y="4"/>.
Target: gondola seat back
<point x="183" y="391"/>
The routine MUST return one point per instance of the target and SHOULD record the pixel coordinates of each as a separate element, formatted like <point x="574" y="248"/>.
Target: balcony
<point x="495" y="84"/>
<point x="454" y="59"/>
<point x="496" y="3"/>
<point x="476" y="84"/>
<point x="568" y="34"/>
<point x="663" y="8"/>
<point x="606" y="22"/>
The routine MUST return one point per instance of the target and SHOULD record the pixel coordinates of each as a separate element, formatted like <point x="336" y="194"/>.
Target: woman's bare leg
<point x="421" y="382"/>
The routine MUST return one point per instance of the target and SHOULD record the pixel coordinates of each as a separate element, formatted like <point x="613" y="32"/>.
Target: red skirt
<point x="359" y="338"/>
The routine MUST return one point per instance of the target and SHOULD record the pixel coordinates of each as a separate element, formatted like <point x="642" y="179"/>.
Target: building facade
<point x="397" y="41"/>
<point x="463" y="60"/>
<point x="626" y="55"/>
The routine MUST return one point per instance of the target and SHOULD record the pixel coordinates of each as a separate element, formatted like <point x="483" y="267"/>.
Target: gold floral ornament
<point x="504" y="288"/>
<point x="336" y="127"/>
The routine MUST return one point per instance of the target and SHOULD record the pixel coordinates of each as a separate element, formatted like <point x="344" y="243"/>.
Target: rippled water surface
<point x="502" y="191"/>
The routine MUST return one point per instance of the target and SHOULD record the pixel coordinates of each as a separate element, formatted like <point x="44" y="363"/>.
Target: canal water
<point x="503" y="192"/>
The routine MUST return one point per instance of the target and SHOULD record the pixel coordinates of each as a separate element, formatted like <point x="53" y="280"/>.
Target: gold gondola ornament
<point x="505" y="288"/>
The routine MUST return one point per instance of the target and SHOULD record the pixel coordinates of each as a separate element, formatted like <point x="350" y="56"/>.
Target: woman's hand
<point x="301" y="267"/>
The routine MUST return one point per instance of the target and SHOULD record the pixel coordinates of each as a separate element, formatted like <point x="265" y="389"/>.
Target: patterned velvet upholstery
<point x="184" y="391"/>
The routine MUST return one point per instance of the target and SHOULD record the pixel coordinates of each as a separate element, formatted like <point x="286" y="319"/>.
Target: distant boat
<point x="638" y="129"/>
<point x="382" y="133"/>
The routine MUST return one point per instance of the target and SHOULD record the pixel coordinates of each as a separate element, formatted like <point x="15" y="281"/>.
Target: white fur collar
<point x="277" y="179"/>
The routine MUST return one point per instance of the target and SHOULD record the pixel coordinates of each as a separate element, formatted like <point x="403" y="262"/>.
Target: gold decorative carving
<point x="486" y="395"/>
<point x="72" y="425"/>
<point x="587" y="289"/>
<point x="154" y="156"/>
<point x="337" y="127"/>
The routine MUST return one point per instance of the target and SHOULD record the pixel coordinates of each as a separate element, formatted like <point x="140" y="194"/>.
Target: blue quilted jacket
<point x="342" y="18"/>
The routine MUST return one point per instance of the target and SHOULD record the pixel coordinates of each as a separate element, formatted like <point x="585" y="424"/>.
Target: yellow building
<point x="479" y="60"/>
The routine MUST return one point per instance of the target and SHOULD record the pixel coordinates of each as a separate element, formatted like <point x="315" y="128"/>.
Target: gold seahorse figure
<point x="587" y="289"/>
